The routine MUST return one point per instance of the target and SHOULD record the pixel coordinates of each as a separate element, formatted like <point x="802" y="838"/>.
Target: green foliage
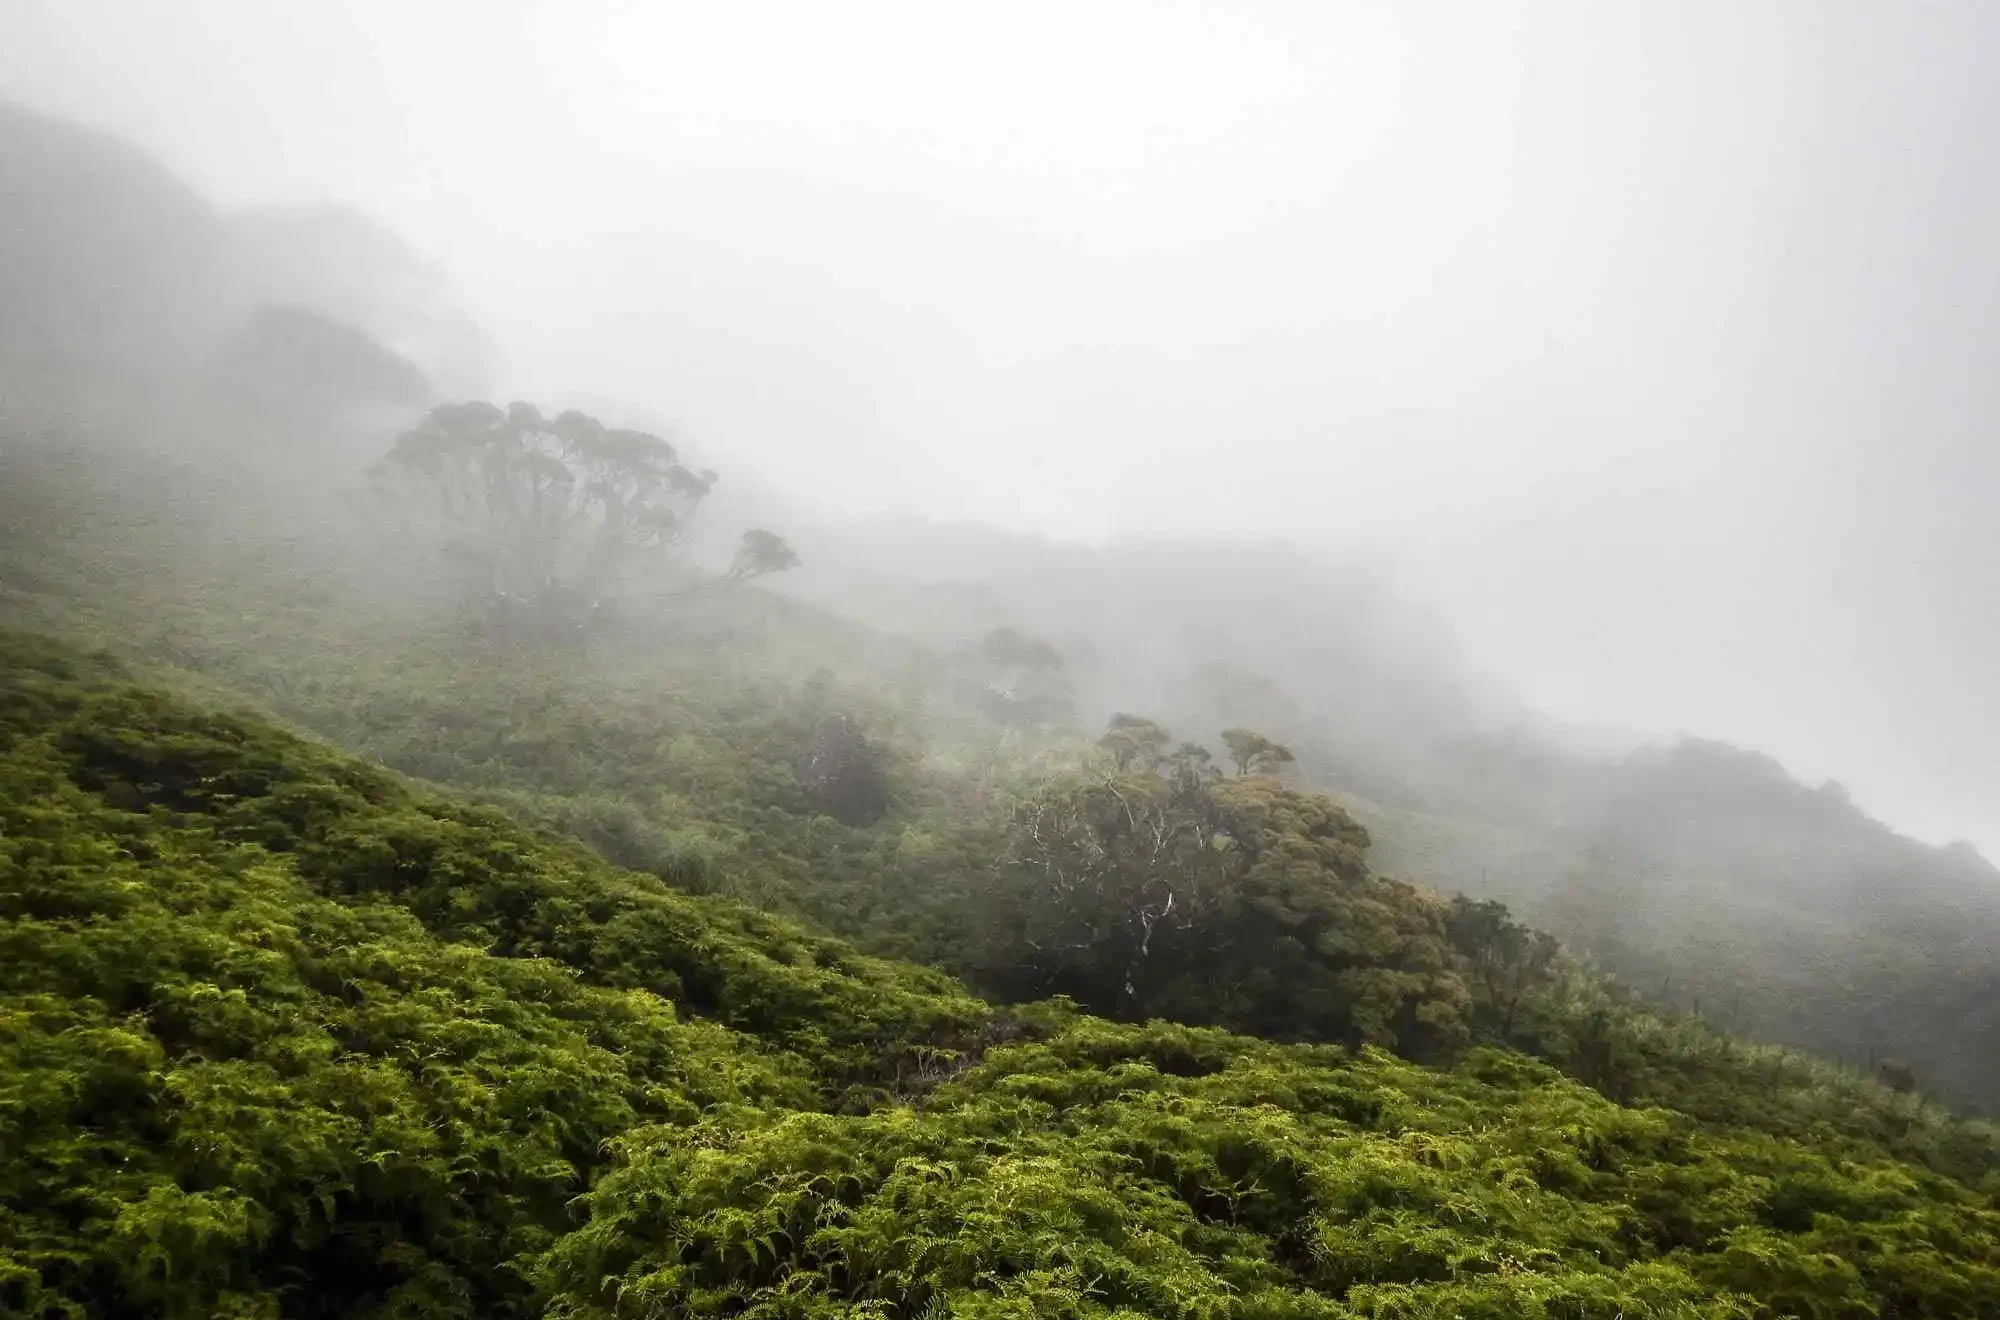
<point x="675" y="757"/>
<point x="1254" y="754"/>
<point x="844" y="774"/>
<point x="1512" y="965"/>
<point x="1236" y="902"/>
<point x="1166" y="1171"/>
<point x="283" y="1036"/>
<point x="271" y="1022"/>
<point x="1135" y="743"/>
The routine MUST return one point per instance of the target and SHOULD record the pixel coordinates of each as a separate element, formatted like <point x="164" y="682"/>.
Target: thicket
<point x="685" y="748"/>
<point x="679" y="752"/>
<point x="692" y="774"/>
<point x="284" y="1035"/>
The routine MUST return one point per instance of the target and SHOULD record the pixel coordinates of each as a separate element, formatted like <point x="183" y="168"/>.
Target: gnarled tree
<point x="1135" y="742"/>
<point x="554" y="517"/>
<point x="1240" y="902"/>
<point x="1254" y="754"/>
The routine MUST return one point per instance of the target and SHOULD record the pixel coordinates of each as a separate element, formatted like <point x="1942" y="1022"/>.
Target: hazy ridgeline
<point x="239" y="470"/>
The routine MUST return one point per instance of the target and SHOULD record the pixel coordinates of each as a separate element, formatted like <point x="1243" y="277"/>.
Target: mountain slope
<point x="675" y="747"/>
<point x="1702" y="873"/>
<point x="281" y="1032"/>
<point x="130" y="303"/>
<point x="111" y="269"/>
<point x="287" y="1036"/>
<point x="1779" y="912"/>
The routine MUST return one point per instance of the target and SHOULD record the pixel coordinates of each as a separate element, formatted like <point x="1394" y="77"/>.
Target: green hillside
<point x="674" y="748"/>
<point x="190" y="398"/>
<point x="439" y="879"/>
<point x="290" y="1035"/>
<point x="282" y="1032"/>
<point x="286" y="1035"/>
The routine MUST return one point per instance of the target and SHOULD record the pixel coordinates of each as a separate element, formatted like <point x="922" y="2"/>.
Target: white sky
<point x="1654" y="337"/>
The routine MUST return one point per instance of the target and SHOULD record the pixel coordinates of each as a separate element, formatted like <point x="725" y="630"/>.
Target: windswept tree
<point x="1254" y="754"/>
<point x="1238" y="902"/>
<point x="554" y="517"/>
<point x="1135" y="742"/>
<point x="761" y="552"/>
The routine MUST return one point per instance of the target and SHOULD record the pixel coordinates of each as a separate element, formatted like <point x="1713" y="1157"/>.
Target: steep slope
<point x="355" y="272"/>
<point x="676" y="749"/>
<point x="130" y="303"/>
<point x="286" y="1036"/>
<point x="1701" y="873"/>
<point x="112" y="272"/>
<point x="1787" y="911"/>
<point x="1708" y="877"/>
<point x="281" y="1033"/>
<point x="1711" y="888"/>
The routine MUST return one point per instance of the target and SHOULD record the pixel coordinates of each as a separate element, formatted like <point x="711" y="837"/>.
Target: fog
<point x="1649" y="343"/>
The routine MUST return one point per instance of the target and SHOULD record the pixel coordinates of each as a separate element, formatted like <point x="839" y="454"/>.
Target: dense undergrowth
<point x="510" y="997"/>
<point x="279" y="1029"/>
<point x="286" y="1035"/>
<point x="676" y="750"/>
<point x="689" y="775"/>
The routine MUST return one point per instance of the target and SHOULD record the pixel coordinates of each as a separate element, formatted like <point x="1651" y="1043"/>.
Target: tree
<point x="1898" y="1076"/>
<point x="1506" y="962"/>
<point x="761" y="552"/>
<point x="1253" y="753"/>
<point x="1238" y="902"/>
<point x="844" y="774"/>
<point x="554" y="517"/>
<point x="1193" y="763"/>
<point x="1112" y="864"/>
<point x="1135" y="742"/>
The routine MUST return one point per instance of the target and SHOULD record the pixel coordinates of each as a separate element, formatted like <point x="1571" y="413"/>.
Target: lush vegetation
<point x="1709" y="877"/>
<point x="280" y="1030"/>
<point x="686" y="752"/>
<point x="501" y="990"/>
<point x="139" y="313"/>
<point x="286" y="1036"/>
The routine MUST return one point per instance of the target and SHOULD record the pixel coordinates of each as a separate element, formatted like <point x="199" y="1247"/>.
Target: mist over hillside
<point x="646" y="684"/>
<point x="133" y="306"/>
<point x="1706" y="874"/>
